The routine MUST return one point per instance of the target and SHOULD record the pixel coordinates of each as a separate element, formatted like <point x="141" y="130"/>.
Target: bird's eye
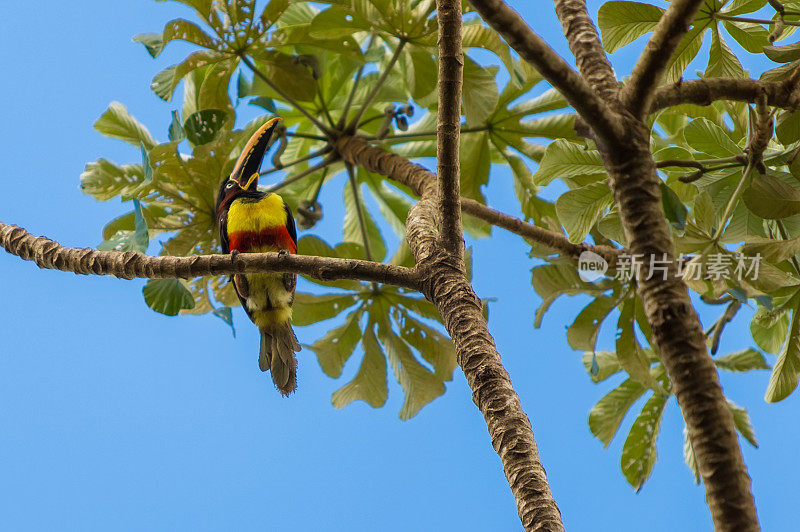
<point x="229" y="184"/>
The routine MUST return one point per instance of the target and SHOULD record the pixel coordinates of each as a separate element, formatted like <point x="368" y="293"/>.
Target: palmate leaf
<point x="553" y="280"/>
<point x="336" y="347"/>
<point x="165" y="82"/>
<point x="606" y="416"/>
<point x="621" y="23"/>
<point x="312" y="308"/>
<point x="369" y="384"/>
<point x="420" y="385"/>
<point x="601" y="365"/>
<point x="582" y="334"/>
<point x="772" y="198"/>
<point x="127" y="240"/>
<point x="722" y="62"/>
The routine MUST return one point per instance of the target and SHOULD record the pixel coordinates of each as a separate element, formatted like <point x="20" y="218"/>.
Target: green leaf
<point x="337" y="22"/>
<point x="476" y="35"/>
<point x="686" y="51"/>
<point x="184" y="30"/>
<point x="335" y="348"/>
<point x="606" y="416"/>
<point x="164" y="82"/>
<point x="312" y="245"/>
<point x="312" y="308"/>
<point x="788" y="127"/>
<point x="783" y="54"/>
<point x="116" y="122"/>
<point x="421" y="386"/>
<point x="479" y="92"/>
<point x="689" y="456"/>
<point x="674" y="209"/>
<point x="703" y="210"/>
<point x="272" y="12"/>
<point x="629" y="353"/>
<point x="434" y="347"/>
<point x="705" y="136"/>
<point x="639" y="450"/>
<point x="226" y="315"/>
<point x="741" y="420"/>
<point x="771" y="198"/>
<point x="784" y="377"/>
<point x="722" y="62"/>
<point x="621" y="23"/>
<point x="151" y="41"/>
<point x="167" y="296"/>
<point x="564" y="159"/>
<point x="288" y="75"/>
<point x="104" y="180"/>
<point x="475" y="164"/>
<point x="582" y="334"/>
<point x="579" y="209"/>
<point x="741" y="361"/>
<point x="740" y="7"/>
<point x="176" y="132"/>
<point x="352" y="229"/>
<point x="605" y="363"/>
<point x="752" y="37"/>
<point x="392" y="205"/>
<point x="553" y="280"/>
<point x="769" y="329"/>
<point x="202" y="127"/>
<point x="369" y="384"/>
<point x="774" y="251"/>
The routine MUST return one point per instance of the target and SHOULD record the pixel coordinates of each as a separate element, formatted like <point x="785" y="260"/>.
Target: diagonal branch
<point x="49" y="254"/>
<point x="420" y="180"/>
<point x="674" y="24"/>
<point x="585" y="44"/>
<point x="451" y="67"/>
<point x="531" y="47"/>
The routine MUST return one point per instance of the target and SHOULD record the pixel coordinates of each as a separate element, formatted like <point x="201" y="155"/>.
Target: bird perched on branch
<point x="251" y="222"/>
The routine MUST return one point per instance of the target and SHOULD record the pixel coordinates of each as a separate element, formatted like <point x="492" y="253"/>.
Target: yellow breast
<point x="254" y="216"/>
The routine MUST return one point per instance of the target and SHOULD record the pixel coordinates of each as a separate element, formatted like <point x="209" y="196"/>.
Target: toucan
<point x="251" y="221"/>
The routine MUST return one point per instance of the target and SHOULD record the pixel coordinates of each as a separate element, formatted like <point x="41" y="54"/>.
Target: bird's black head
<point x="244" y="177"/>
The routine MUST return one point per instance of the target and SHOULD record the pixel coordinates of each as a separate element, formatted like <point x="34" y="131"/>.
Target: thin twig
<point x="734" y="199"/>
<point x="362" y="222"/>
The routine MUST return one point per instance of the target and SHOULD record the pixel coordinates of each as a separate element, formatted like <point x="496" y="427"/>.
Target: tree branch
<point x="674" y="24"/>
<point x="451" y="66"/>
<point x="784" y="94"/>
<point x="49" y="254"/>
<point x="585" y="44"/>
<point x="593" y="109"/>
<point x="420" y="180"/>
<point x="446" y="286"/>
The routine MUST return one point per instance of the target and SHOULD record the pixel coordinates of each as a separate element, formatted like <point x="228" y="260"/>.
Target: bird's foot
<point x="282" y="253"/>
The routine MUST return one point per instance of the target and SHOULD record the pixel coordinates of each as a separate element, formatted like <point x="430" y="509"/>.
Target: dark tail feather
<point x="278" y="345"/>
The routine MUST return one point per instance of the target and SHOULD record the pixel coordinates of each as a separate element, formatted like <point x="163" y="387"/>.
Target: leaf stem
<point x="378" y="84"/>
<point x="734" y="199"/>
<point x="412" y="135"/>
<point x="362" y="222"/>
<point x="291" y="101"/>
<point x="720" y="16"/>
<point x="311" y="155"/>
<point x="288" y="181"/>
<point x="349" y="102"/>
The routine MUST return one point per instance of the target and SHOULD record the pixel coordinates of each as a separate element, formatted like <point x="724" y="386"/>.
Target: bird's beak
<point x="245" y="172"/>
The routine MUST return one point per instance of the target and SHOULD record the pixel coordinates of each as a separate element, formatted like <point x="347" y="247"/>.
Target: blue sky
<point x="114" y="417"/>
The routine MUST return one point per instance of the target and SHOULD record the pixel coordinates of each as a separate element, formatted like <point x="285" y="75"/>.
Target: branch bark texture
<point x="451" y="66"/>
<point x="584" y="42"/>
<point x="49" y="254"/>
<point x="624" y="142"/>
<point x="783" y="94"/>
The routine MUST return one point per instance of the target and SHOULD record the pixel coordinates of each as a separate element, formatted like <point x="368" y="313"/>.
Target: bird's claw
<point x="282" y="253"/>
